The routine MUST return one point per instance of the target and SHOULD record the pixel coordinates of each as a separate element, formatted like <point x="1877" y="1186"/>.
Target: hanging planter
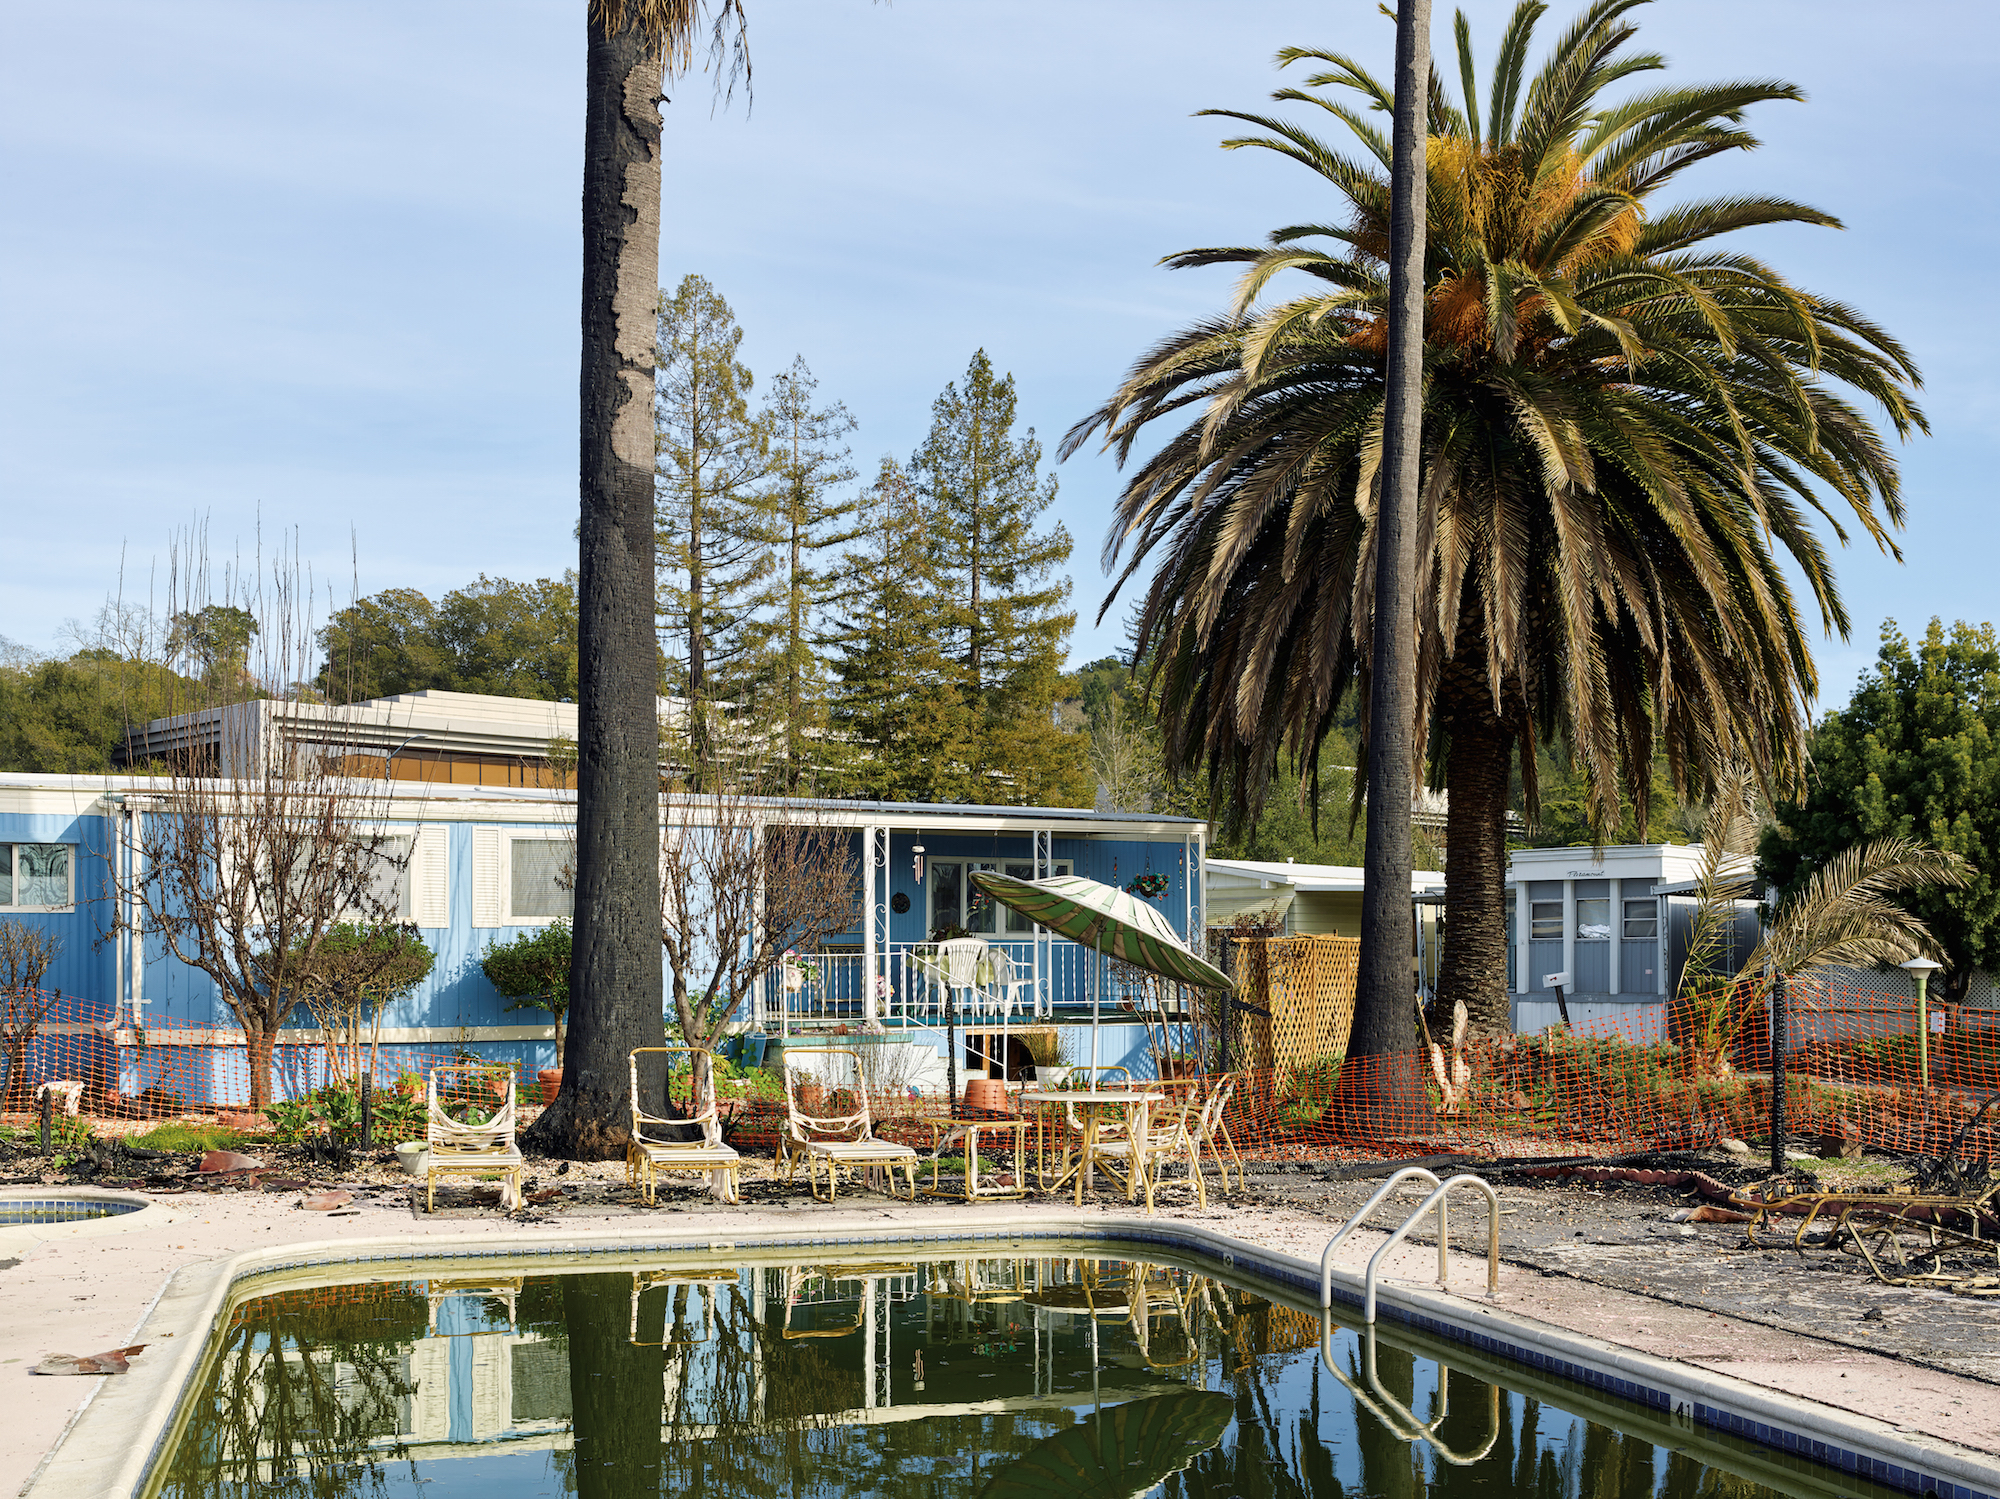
<point x="1151" y="886"/>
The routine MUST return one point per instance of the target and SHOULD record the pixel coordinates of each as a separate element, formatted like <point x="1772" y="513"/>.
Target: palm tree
<point x="615" y="963"/>
<point x="1840" y="914"/>
<point x="1382" y="1020"/>
<point x="1626" y="431"/>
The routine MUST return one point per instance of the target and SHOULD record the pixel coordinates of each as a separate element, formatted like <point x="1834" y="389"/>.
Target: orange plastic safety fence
<point x="171" y="1068"/>
<point x="1864" y="1067"/>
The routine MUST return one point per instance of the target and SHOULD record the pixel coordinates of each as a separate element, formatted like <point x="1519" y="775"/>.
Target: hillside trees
<point x="492" y="636"/>
<point x="74" y="716"/>
<point x="1914" y="756"/>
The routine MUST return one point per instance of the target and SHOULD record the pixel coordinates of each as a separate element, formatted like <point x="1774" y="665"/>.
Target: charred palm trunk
<point x="1385" y="1093"/>
<point x="615" y="1385"/>
<point x="615" y="955"/>
<point x="1479" y="762"/>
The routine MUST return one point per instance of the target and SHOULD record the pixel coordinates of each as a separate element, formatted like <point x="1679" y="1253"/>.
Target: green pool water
<point x="924" y="1377"/>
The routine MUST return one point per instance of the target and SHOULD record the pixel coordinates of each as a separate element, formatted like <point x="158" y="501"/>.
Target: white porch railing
<point x="830" y="988"/>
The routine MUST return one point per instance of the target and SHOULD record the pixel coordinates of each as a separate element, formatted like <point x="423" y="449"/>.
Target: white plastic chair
<point x="1007" y="984"/>
<point x="958" y="962"/>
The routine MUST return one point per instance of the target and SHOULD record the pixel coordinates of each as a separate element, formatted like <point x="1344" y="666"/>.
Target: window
<point x="539" y="880"/>
<point x="389" y="880"/>
<point x="1593" y="919"/>
<point x="1642" y="918"/>
<point x="315" y="879"/>
<point x="947" y="882"/>
<point x="36" y="877"/>
<point x="955" y="901"/>
<point x="1545" y="921"/>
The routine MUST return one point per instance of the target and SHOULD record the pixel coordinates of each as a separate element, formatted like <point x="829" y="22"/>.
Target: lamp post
<point x="389" y="761"/>
<point x="1923" y="968"/>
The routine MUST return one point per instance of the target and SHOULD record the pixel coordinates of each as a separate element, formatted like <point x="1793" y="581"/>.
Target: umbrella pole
<point x="1096" y="1008"/>
<point x="950" y="1054"/>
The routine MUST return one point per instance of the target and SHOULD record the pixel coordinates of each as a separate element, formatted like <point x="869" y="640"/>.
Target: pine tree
<point x="713" y="506"/>
<point x="906" y="729"/>
<point x="1002" y="592"/>
<point x="811" y="517"/>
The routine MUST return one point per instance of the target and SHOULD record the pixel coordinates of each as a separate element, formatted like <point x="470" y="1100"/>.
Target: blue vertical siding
<point x="457" y="997"/>
<point x="85" y="969"/>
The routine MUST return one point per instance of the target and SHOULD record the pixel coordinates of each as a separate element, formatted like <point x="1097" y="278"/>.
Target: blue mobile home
<point x="485" y="864"/>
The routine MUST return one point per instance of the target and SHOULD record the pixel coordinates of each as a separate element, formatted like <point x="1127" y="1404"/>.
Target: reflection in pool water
<point x="994" y="1377"/>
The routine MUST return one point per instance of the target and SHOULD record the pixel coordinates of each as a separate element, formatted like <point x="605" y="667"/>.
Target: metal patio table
<point x="1081" y="1163"/>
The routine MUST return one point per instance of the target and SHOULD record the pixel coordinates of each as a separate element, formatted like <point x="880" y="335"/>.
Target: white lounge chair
<point x="482" y="1150"/>
<point x="838" y="1139"/>
<point x="693" y="1143"/>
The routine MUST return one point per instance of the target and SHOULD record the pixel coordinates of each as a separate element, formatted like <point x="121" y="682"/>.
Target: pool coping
<point x="18" y="1238"/>
<point x="112" y="1441"/>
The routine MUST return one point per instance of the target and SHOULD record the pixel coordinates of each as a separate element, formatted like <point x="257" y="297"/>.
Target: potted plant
<point x="799" y="971"/>
<point x="1177" y="1064"/>
<point x="1049" y="1049"/>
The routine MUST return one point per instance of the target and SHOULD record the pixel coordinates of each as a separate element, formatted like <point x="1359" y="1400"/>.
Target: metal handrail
<point x="1355" y="1221"/>
<point x="1403" y="1423"/>
<point x="1437" y="1200"/>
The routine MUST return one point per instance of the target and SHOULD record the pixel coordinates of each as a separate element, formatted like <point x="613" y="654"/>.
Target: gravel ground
<point x="1621" y="1235"/>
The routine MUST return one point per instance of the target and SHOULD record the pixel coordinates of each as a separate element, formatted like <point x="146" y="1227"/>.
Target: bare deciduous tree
<point x="26" y="955"/>
<point x="744" y="879"/>
<point x="255" y="847"/>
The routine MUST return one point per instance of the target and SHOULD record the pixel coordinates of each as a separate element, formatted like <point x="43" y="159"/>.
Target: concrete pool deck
<point x="82" y="1295"/>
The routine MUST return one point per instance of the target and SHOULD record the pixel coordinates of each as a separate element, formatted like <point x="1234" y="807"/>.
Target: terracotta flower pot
<point x="986" y="1095"/>
<point x="551" y="1080"/>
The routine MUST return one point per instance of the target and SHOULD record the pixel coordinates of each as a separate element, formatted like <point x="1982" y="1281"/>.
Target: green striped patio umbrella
<point x="1105" y="918"/>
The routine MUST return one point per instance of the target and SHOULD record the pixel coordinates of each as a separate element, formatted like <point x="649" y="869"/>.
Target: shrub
<point x="1318" y="1079"/>
<point x="186" y="1139"/>
<point x="333" y="1114"/>
<point x="533" y="971"/>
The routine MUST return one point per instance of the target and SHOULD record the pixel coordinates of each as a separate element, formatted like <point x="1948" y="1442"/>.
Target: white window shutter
<point x="430" y="877"/>
<point x="486" y="877"/>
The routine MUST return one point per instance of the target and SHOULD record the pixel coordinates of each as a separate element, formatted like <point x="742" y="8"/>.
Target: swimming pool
<point x="937" y="1371"/>
<point x="17" y="1211"/>
<point x="131" y="1430"/>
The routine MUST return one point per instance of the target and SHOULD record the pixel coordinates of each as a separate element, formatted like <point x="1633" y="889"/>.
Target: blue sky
<point x="313" y="267"/>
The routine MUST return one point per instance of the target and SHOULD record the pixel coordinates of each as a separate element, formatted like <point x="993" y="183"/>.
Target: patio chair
<point x="683" y="1290"/>
<point x="958" y="963"/>
<point x="482" y="1150"/>
<point x="1170" y="1131"/>
<point x="1212" y="1130"/>
<point x="846" y="1139"/>
<point x="1007" y="984"/>
<point x="693" y="1143"/>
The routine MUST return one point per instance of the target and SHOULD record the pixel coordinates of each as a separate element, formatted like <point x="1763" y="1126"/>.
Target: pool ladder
<point x="1440" y="1192"/>
<point x="1397" y="1417"/>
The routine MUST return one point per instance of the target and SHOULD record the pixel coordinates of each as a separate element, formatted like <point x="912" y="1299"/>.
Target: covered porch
<point x="913" y="889"/>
